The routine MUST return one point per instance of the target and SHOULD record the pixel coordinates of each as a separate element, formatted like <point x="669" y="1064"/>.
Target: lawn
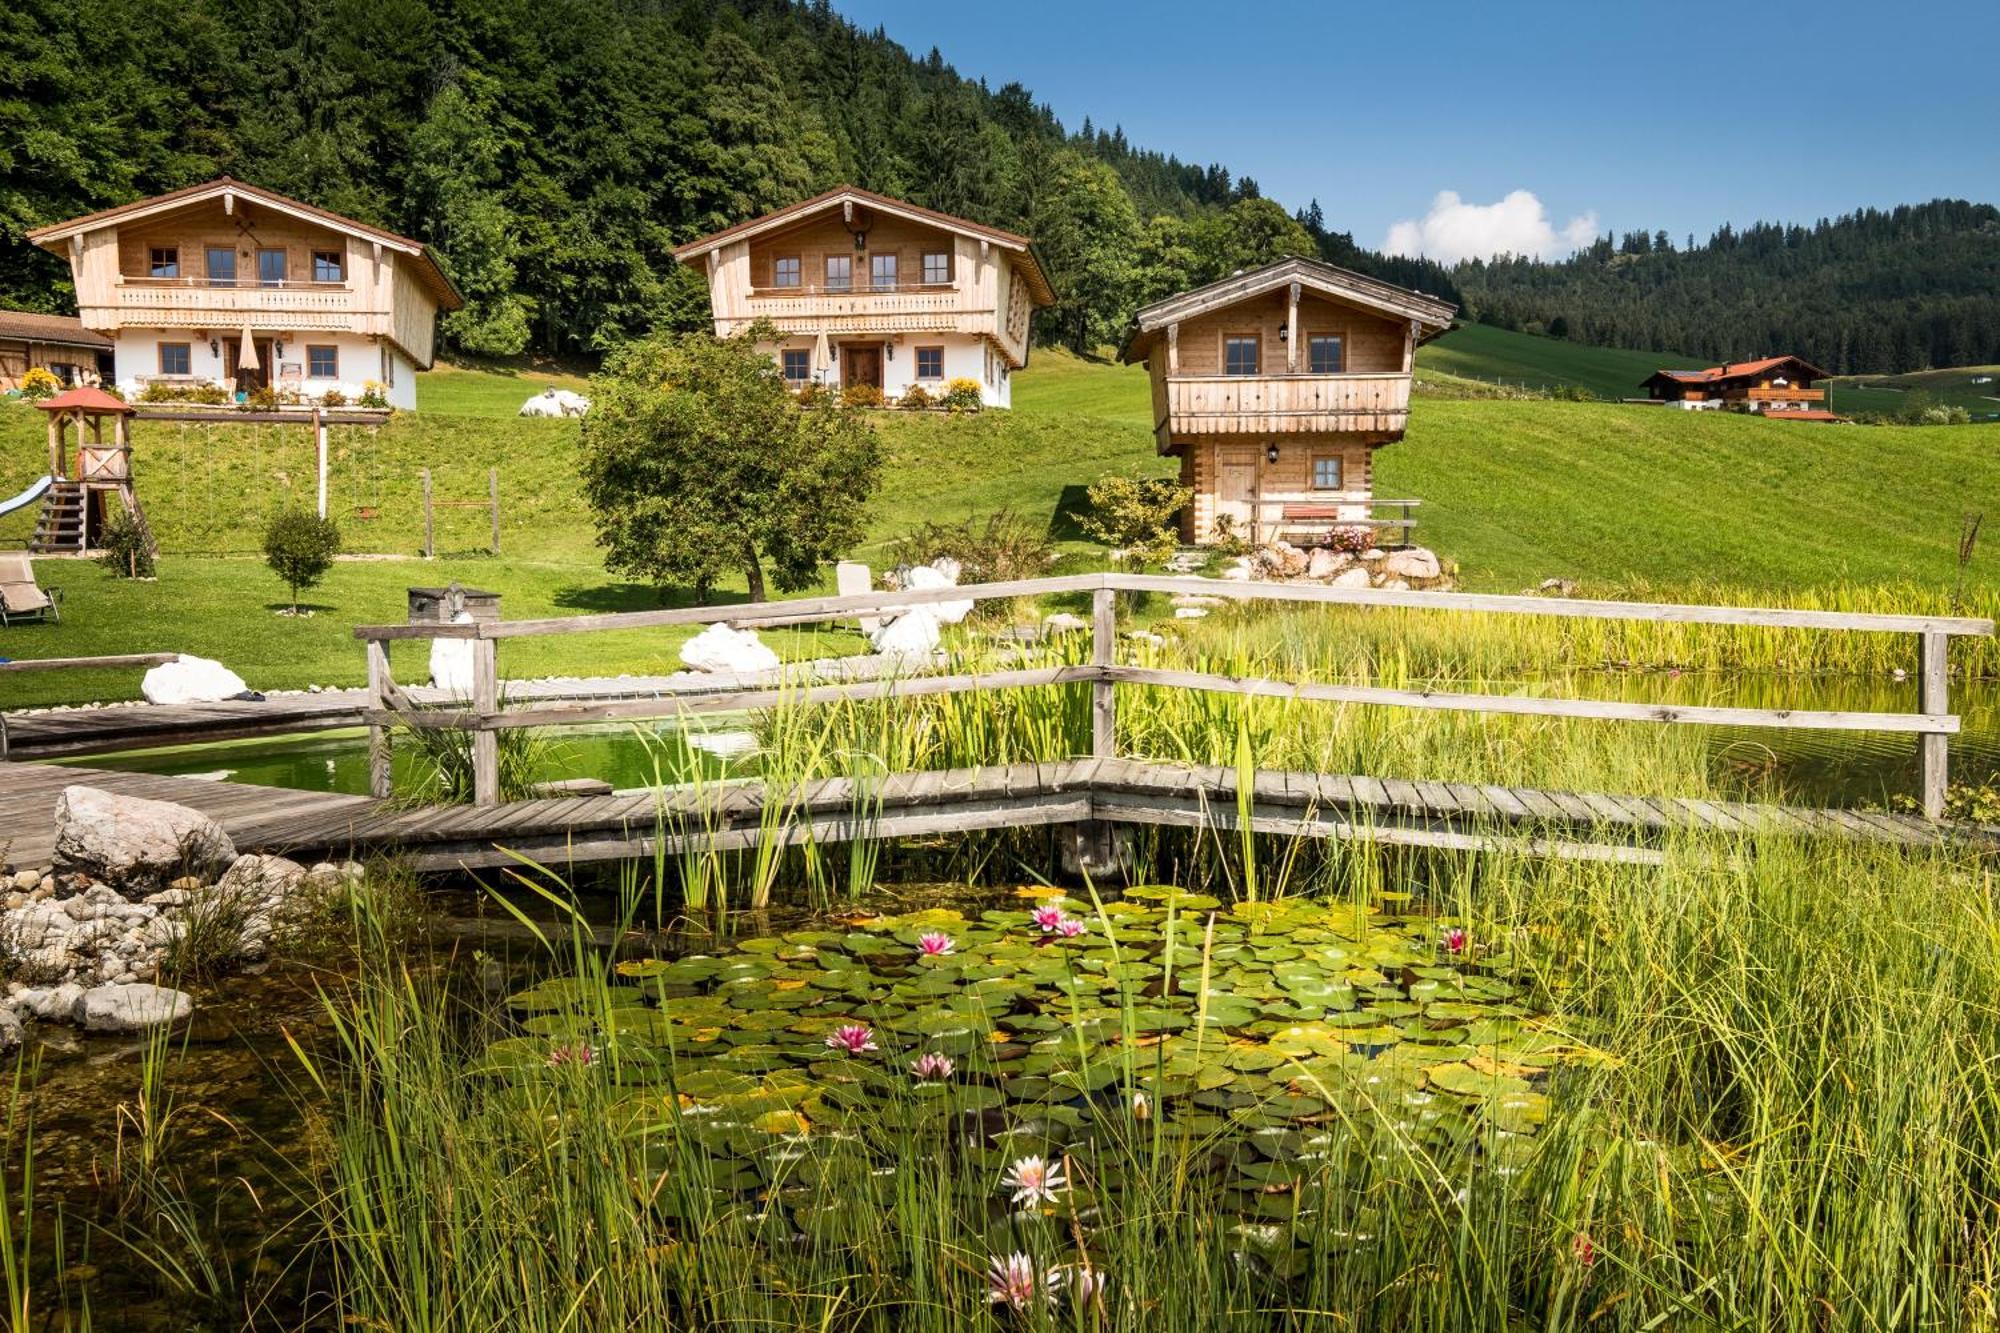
<point x="487" y="391"/>
<point x="1890" y="394"/>
<point x="1479" y="351"/>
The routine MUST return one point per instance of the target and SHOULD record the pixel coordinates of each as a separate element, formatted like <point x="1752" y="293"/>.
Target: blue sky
<point x="1610" y="114"/>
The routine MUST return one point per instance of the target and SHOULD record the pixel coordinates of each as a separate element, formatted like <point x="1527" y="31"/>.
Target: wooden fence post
<point x="493" y="498"/>
<point x="379" y="775"/>
<point x="1103" y="654"/>
<point x="428" y="551"/>
<point x="485" y="703"/>
<point x="1933" y="699"/>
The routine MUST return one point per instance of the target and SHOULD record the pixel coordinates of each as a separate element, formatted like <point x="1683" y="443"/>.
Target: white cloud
<point x="1517" y="225"/>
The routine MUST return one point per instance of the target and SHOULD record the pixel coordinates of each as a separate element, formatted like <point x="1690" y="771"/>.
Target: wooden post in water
<point x="493" y="498"/>
<point x="485" y="703"/>
<point x="378" y="734"/>
<point x="428" y="549"/>
<point x="1103" y="653"/>
<point x="1932" y="699"/>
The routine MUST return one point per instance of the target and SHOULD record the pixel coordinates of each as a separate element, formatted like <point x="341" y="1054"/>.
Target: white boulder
<point x="1325" y="562"/>
<point x="1354" y="576"/>
<point x="554" y="402"/>
<point x="132" y="1007"/>
<point x="1412" y="563"/>
<point x="191" y="680"/>
<point x="262" y="878"/>
<point x="130" y="842"/>
<point x="720" y="648"/>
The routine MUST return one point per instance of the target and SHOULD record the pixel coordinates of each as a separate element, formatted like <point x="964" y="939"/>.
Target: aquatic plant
<point x="1032" y="1181"/>
<point x="934" y="944"/>
<point x="932" y="1066"/>
<point x="851" y="1038"/>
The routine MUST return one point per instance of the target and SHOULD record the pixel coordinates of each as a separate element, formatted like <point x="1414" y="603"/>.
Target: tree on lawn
<point x="299" y="547"/>
<point x="697" y="460"/>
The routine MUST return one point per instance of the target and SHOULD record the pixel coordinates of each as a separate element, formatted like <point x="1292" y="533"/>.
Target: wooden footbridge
<point x="1089" y="792"/>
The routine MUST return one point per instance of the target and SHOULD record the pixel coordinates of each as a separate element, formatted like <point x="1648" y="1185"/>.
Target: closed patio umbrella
<point x="819" y="356"/>
<point x="246" y="355"/>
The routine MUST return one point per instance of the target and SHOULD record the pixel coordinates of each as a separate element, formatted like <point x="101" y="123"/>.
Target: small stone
<point x="1414" y="563"/>
<point x="1190" y="612"/>
<point x="186" y="883"/>
<point x="1324" y="562"/>
<point x="1354" y="576"/>
<point x="174" y="897"/>
<point x="1062" y="622"/>
<point x="261" y="877"/>
<point x="26" y="880"/>
<point x="131" y="1007"/>
<point x="53" y="1003"/>
<point x="1395" y="585"/>
<point x="10" y="1030"/>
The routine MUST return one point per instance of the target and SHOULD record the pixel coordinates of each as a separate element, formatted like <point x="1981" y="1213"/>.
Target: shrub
<point x="209" y="395"/>
<point x="38" y="384"/>
<point x="127" y="553"/>
<point x="374" y="394"/>
<point x="158" y="391"/>
<point x="1353" y="538"/>
<point x="962" y="395"/>
<point x="1140" y="515"/>
<point x="814" y="394"/>
<point x="299" y="547"/>
<point x="1228" y="540"/>
<point x="333" y="398"/>
<point x="861" y="395"/>
<point x="262" y="398"/>
<point x="915" y="397"/>
<point x="1572" y="393"/>
<point x="1002" y="545"/>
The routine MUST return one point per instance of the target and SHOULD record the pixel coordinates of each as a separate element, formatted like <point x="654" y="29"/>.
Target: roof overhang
<point x="1429" y="315"/>
<point x="848" y="197"/>
<point x="56" y="237"/>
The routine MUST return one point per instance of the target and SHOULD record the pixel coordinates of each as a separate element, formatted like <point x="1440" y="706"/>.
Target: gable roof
<point x="62" y="330"/>
<point x="1428" y="312"/>
<point x="51" y="237"/>
<point x="1038" y="278"/>
<point x="1735" y="370"/>
<point x="86" y="400"/>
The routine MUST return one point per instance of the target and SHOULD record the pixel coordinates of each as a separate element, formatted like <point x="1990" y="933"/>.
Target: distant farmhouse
<point x="1275" y="387"/>
<point x="869" y="292"/>
<point x="58" y="344"/>
<point x="228" y="284"/>
<point x="1776" y="386"/>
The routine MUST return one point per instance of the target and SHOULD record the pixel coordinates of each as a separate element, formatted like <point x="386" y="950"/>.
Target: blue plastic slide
<point x="27" y="497"/>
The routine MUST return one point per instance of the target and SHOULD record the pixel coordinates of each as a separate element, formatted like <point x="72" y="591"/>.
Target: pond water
<point x="1815" y="767"/>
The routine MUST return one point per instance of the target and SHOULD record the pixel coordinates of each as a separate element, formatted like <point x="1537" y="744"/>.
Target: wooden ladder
<point x="59" y="526"/>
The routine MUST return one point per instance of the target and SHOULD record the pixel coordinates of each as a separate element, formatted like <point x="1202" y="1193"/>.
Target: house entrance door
<point x="1236" y="490"/>
<point x="861" y="365"/>
<point x="243" y="377"/>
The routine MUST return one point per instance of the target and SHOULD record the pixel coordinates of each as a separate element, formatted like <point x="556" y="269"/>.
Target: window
<point x="937" y="269"/>
<point x="1326" y="472"/>
<point x="166" y="262"/>
<point x="930" y="363"/>
<point x="785" y="271"/>
<point x="271" y="268"/>
<point x="322" y="363"/>
<point x="329" y="266"/>
<point x="176" y="359"/>
<point x="388" y="368"/>
<point x="1239" y="355"/>
<point x="221" y="266"/>
<point x="797" y="365"/>
<point x="1324" y="354"/>
<point x="882" y="272"/>
<point x="839" y="273"/>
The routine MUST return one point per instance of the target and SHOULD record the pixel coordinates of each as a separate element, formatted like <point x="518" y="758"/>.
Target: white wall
<point x="361" y="359"/>
<point x="965" y="357"/>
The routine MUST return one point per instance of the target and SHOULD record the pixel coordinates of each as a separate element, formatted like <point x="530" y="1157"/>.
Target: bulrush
<point x="932" y="1066"/>
<point x="852" y="1038"/>
<point x="935" y="944"/>
<point x="1034" y="1180"/>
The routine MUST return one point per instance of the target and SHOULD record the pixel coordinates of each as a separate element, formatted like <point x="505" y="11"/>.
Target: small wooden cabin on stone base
<point x="1275" y="387"/>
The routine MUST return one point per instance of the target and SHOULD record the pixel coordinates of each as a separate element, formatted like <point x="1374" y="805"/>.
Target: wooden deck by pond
<point x="564" y="831"/>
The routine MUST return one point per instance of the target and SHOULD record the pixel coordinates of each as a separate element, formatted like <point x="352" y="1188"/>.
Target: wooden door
<point x="1236" y="489"/>
<point x="861" y="365"/>
<point x="236" y="374"/>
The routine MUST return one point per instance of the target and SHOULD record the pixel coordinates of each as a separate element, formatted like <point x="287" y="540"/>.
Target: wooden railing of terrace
<point x="484" y="717"/>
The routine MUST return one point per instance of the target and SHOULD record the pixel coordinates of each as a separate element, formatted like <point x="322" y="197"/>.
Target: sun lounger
<point x="21" y="598"/>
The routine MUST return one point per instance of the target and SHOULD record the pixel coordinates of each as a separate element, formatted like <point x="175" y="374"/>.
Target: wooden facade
<point x="227" y="283"/>
<point x="58" y="344"/>
<point x="867" y="290"/>
<point x="1775" y="386"/>
<point x="1274" y="387"/>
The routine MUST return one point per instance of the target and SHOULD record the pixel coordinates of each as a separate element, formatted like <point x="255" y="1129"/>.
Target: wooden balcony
<point x="1281" y="404"/>
<point x="862" y="309"/>
<point x="199" y="303"/>
<point x="1787" y="395"/>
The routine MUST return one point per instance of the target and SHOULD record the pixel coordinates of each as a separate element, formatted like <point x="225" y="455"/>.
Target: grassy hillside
<point x="1479" y="351"/>
<point x="1890" y="394"/>
<point x="486" y="391"/>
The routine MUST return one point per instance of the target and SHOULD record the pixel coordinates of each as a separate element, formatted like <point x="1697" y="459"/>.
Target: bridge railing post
<point x="1103" y="693"/>
<point x="1933" y="700"/>
<point x="486" y="705"/>
<point x="379" y="681"/>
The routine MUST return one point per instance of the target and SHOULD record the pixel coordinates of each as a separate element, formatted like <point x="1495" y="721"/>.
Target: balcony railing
<point x="200" y="302"/>
<point x="1786" y="395"/>
<point x="1278" y="404"/>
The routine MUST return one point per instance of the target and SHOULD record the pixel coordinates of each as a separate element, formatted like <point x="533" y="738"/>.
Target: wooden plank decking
<point x="574" y="830"/>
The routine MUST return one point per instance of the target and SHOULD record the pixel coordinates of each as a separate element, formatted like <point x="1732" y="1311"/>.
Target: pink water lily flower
<point x="852" y="1038"/>
<point x="1048" y="918"/>
<point x="580" y="1053"/>
<point x="932" y="1066"/>
<point x="935" y="944"/>
<point x="1454" y="940"/>
<point x="1069" y="928"/>
<point x="1013" y="1282"/>
<point x="1034" y="1180"/>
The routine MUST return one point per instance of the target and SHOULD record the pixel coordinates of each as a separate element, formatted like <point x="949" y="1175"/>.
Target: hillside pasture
<point x="1891" y="394"/>
<point x="1482" y="352"/>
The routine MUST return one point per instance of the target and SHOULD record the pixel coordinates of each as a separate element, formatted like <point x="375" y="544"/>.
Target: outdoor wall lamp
<point x="889" y="351"/>
<point x="1271" y="453"/>
<point x="1284" y="333"/>
<point x="215" y="347"/>
<point x="277" y="350"/>
<point x="833" y="352"/>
